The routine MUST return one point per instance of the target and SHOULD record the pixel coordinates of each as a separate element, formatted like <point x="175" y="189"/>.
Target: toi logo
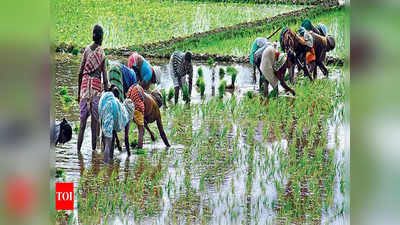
<point x="64" y="196"/>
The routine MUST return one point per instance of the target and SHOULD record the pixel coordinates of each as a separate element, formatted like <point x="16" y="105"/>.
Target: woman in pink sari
<point x="92" y="71"/>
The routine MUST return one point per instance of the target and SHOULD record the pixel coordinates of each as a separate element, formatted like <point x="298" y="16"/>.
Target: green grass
<point x="136" y="22"/>
<point x="239" y="42"/>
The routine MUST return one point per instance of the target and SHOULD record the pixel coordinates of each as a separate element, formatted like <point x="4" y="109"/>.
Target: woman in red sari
<point x="92" y="71"/>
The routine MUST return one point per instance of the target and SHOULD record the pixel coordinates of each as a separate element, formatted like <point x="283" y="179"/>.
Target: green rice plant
<point x="185" y="93"/>
<point x="221" y="89"/>
<point x="210" y="62"/>
<point x="202" y="88"/>
<point x="63" y="91"/>
<point x="162" y="16"/>
<point x="60" y="173"/>
<point x="171" y="93"/>
<point x="233" y="72"/>
<point x="200" y="72"/>
<point x="221" y="73"/>
<point x="250" y="94"/>
<point x="76" y="127"/>
<point x="237" y="42"/>
<point x="164" y="96"/>
<point x="67" y="99"/>
<point x="75" y="51"/>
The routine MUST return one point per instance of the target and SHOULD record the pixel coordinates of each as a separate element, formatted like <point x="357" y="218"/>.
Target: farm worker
<point x="60" y="133"/>
<point x="146" y="111"/>
<point x="298" y="46"/>
<point x="308" y="26"/>
<point x="180" y="65"/>
<point x="91" y="72"/>
<point x="321" y="45"/>
<point x="146" y="74"/>
<point x="122" y="77"/>
<point x="273" y="66"/>
<point x="257" y="44"/>
<point x="257" y="49"/>
<point x="114" y="116"/>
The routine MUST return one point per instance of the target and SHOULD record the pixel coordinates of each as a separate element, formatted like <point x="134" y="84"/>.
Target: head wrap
<point x="307" y="24"/>
<point x="131" y="60"/>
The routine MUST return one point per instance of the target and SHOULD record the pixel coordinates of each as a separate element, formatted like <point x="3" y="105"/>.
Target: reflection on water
<point x="240" y="194"/>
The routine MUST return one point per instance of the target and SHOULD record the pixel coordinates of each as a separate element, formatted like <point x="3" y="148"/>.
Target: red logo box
<point x="64" y="196"/>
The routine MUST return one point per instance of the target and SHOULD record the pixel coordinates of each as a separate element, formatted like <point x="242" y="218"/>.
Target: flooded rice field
<point x="239" y="160"/>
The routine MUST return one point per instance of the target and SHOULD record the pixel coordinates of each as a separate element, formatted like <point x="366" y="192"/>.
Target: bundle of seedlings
<point x="233" y="72"/>
<point x="221" y="89"/>
<point x="221" y="73"/>
<point x="171" y="93"/>
<point x="202" y="88"/>
<point x="200" y="76"/>
<point x="185" y="93"/>
<point x="164" y="97"/>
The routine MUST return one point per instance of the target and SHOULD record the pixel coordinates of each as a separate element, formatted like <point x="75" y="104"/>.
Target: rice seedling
<point x="233" y="73"/>
<point x="221" y="89"/>
<point x="202" y="88"/>
<point x="199" y="77"/>
<point x="210" y="62"/>
<point x="74" y="19"/>
<point x="76" y="128"/>
<point x="164" y="96"/>
<point x="280" y="144"/>
<point x="221" y="73"/>
<point x="63" y="91"/>
<point x="171" y="93"/>
<point x="238" y="42"/>
<point x="250" y="94"/>
<point x="75" y="51"/>
<point x="185" y="93"/>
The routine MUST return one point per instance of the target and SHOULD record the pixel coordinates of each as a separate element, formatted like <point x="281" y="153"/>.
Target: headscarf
<point x="307" y="24"/>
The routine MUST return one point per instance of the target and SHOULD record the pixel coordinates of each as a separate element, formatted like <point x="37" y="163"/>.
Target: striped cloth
<point x="115" y="77"/>
<point x="90" y="87"/>
<point x="177" y="69"/>
<point x="136" y="94"/>
<point x="121" y="77"/>
<point x="113" y="114"/>
<point x="94" y="59"/>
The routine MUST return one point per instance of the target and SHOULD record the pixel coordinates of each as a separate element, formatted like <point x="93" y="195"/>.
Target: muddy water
<point x="238" y="199"/>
